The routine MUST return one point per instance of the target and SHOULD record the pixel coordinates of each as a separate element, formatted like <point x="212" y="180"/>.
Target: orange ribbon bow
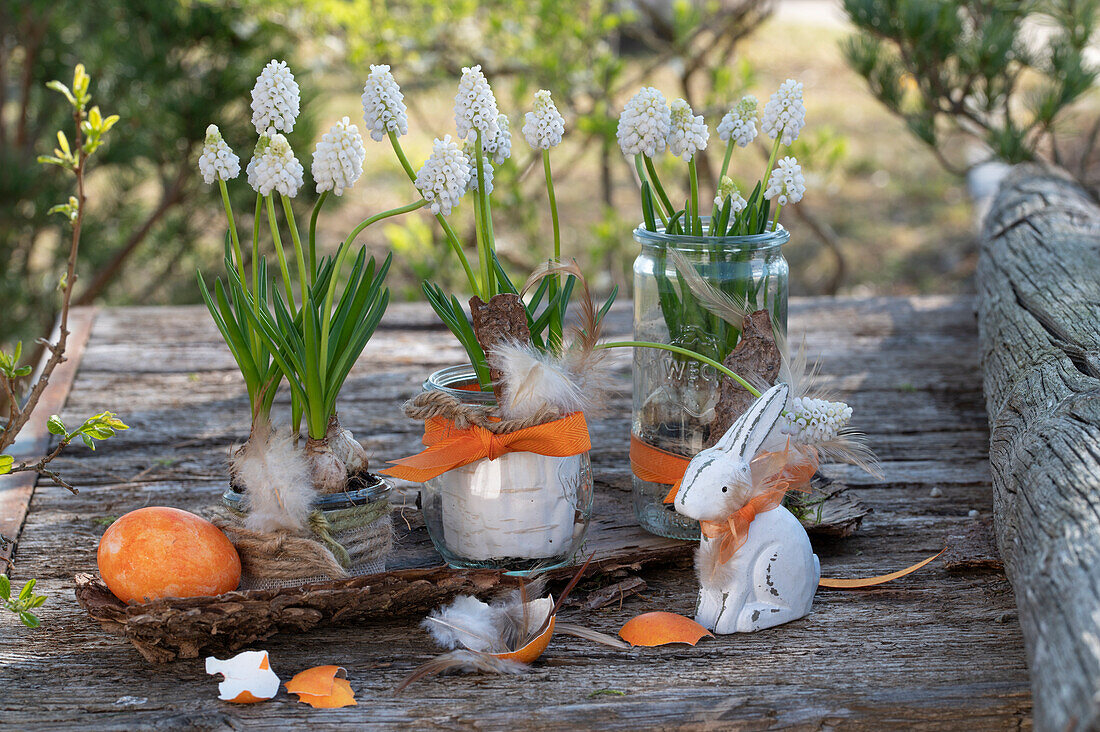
<point x="658" y="466"/>
<point x="773" y="475"/>
<point x="448" y="447"/>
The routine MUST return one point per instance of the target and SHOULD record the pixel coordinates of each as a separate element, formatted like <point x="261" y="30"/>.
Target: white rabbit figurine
<point x="772" y="577"/>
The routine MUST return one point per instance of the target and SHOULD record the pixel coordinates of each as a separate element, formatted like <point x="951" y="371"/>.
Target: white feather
<point x="278" y="491"/>
<point x="534" y="381"/>
<point x="466" y="623"/>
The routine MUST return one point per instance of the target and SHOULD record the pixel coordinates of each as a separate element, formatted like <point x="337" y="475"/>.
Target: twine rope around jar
<point x="428" y="404"/>
<point x="280" y="555"/>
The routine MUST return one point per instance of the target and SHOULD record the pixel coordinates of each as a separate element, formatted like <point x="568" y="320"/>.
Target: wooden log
<point x="1039" y="320"/>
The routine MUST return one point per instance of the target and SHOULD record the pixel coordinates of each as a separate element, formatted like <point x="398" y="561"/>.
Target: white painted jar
<point x="520" y="512"/>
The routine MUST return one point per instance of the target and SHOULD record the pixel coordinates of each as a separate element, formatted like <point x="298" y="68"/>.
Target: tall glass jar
<point x="674" y="396"/>
<point x="520" y="512"/>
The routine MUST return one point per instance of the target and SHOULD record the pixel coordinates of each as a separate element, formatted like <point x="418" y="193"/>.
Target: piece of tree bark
<point x="1039" y="320"/>
<point x="755" y="354"/>
<point x="501" y="320"/>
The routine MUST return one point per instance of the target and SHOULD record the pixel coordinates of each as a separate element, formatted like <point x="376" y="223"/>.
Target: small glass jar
<point x="675" y="396"/>
<point x="521" y="512"/>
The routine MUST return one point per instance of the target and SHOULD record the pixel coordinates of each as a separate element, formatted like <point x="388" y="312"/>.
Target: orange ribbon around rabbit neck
<point x="658" y="466"/>
<point x="773" y="474"/>
<point x="448" y="447"/>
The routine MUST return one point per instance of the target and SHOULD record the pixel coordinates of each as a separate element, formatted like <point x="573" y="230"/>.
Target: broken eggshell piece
<point x="661" y="628"/>
<point x="248" y="677"/>
<point x="323" y="687"/>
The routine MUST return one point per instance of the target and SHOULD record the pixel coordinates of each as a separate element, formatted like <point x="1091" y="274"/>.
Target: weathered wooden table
<point x="940" y="649"/>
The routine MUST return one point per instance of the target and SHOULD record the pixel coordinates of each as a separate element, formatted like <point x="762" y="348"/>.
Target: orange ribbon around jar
<point x="447" y="447"/>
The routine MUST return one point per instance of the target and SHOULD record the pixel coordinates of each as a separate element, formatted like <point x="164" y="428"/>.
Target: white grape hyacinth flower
<point x="814" y="421"/>
<point x="475" y="106"/>
<point x="645" y="123"/>
<point x="276" y="99"/>
<point x="274" y="168"/>
<point x="688" y="133"/>
<point x="543" y="126"/>
<point x="499" y="148"/>
<point x="384" y="108"/>
<point x="739" y="124"/>
<point x="785" y="114"/>
<point x="338" y="158"/>
<point x="728" y="189"/>
<point x="487" y="166"/>
<point x="787" y="184"/>
<point x="444" y="177"/>
<point x="217" y="161"/>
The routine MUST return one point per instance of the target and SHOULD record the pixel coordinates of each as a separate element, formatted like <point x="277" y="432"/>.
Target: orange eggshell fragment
<point x="660" y="628"/>
<point x="157" y="552"/>
<point x="246" y="697"/>
<point x="316" y="681"/>
<point x="247" y="677"/>
<point x="341" y="696"/>
<point x="321" y="689"/>
<point x="531" y="652"/>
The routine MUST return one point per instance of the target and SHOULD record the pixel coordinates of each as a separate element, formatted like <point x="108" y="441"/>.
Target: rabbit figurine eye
<point x="718" y="480"/>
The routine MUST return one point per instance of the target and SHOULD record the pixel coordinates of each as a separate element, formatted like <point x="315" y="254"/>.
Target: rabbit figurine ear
<point x="751" y="430"/>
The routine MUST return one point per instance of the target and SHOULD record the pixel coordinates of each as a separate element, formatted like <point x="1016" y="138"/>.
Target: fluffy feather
<point x="710" y="297"/>
<point x="534" y="381"/>
<point x="467" y="623"/>
<point x="575" y="381"/>
<point x="595" y="636"/>
<point x="849" y="446"/>
<point x="278" y="492"/>
<point x="465" y="661"/>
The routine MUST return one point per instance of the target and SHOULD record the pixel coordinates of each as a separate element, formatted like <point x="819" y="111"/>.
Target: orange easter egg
<point x="160" y="552"/>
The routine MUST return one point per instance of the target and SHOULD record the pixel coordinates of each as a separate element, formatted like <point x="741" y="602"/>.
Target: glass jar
<point x="521" y="512"/>
<point x="675" y="396"/>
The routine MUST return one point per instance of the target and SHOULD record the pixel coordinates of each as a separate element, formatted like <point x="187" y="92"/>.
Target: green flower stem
<point x="726" y="161"/>
<point x="771" y="163"/>
<point x="299" y="253"/>
<point x="693" y="180"/>
<point x="314" y="376"/>
<point x="341" y="255"/>
<point x="281" y="255"/>
<point x="553" y="204"/>
<point x="256" y="271"/>
<point x="684" y="352"/>
<point x="313" y="237"/>
<point x="485" y="249"/>
<point x="556" y="326"/>
<point x="479" y="236"/>
<point x="452" y="237"/>
<point x="656" y="183"/>
<point x="640" y="167"/>
<point x="232" y="228"/>
<point x="456" y="245"/>
<point x="775" y="221"/>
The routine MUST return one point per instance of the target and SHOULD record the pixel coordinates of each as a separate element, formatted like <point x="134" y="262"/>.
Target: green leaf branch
<point x="89" y="130"/>
<point x="23" y="602"/>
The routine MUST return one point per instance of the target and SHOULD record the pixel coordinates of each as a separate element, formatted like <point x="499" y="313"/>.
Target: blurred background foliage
<point x="885" y="211"/>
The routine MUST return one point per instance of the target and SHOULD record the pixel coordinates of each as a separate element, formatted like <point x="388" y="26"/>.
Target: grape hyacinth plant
<point x="462" y="166"/>
<point x="648" y="126"/>
<point x="308" y="329"/>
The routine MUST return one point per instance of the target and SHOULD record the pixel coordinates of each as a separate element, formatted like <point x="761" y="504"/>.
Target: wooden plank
<point x="1039" y="280"/>
<point x="936" y="650"/>
<point x="35" y="439"/>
